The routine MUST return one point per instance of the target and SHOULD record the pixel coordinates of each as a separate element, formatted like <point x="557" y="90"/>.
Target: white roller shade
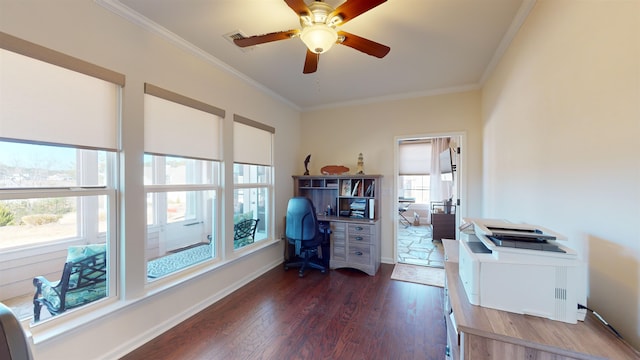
<point x="251" y="145"/>
<point x="415" y="158"/>
<point x="42" y="102"/>
<point x="171" y="128"/>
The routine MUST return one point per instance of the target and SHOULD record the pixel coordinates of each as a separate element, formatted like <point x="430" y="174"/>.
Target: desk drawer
<point x="355" y="239"/>
<point x="360" y="229"/>
<point x="359" y="254"/>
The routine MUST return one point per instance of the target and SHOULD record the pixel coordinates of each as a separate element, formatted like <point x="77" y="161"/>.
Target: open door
<point x="427" y="184"/>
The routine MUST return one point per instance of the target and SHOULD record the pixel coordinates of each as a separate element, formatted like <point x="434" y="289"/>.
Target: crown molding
<point x="129" y="14"/>
<point x="508" y="37"/>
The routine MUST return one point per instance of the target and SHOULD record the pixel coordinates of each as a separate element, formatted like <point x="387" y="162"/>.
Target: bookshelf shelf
<point x="352" y="196"/>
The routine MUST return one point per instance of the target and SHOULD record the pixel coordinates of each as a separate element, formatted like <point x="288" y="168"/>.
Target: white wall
<point x="337" y="136"/>
<point x="561" y="126"/>
<point x="85" y="30"/>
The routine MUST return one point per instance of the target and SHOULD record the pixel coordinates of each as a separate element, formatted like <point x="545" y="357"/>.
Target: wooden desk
<point x="475" y="332"/>
<point x="355" y="243"/>
<point x="355" y="237"/>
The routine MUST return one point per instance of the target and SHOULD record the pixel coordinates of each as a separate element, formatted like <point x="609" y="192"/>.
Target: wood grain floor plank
<point x="344" y="314"/>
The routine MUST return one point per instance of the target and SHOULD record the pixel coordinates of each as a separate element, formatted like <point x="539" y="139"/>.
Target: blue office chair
<point x="305" y="234"/>
<point x="13" y="341"/>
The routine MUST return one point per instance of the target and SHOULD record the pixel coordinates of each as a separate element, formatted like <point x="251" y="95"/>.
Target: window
<point x="415" y="187"/>
<point x="181" y="206"/>
<point x="414" y="168"/>
<point x="58" y="142"/>
<point x="182" y="171"/>
<point x="420" y="175"/>
<point x="252" y="177"/>
<point x="46" y="194"/>
<point x="251" y="199"/>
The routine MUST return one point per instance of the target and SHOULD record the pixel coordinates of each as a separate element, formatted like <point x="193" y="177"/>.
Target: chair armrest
<point x="325" y="230"/>
<point x="44" y="288"/>
<point x="40" y="283"/>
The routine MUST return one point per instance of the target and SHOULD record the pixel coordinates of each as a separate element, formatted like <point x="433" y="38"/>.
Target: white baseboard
<point x="176" y="319"/>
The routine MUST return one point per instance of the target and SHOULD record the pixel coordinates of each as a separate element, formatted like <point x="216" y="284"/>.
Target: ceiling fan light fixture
<point x="319" y="37"/>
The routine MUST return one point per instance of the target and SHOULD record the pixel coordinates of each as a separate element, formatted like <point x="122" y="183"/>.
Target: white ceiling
<point x="437" y="46"/>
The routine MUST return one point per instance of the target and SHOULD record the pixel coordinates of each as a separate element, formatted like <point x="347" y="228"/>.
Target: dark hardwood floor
<point x="344" y="314"/>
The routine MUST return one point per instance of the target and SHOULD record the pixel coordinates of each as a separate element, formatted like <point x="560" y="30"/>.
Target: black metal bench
<point x="84" y="279"/>
<point x="244" y="232"/>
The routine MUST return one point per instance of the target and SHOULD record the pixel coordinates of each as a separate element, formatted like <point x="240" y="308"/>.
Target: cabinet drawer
<point x="355" y="239"/>
<point x="359" y="254"/>
<point x="443" y="219"/>
<point x="453" y="338"/>
<point x="360" y="229"/>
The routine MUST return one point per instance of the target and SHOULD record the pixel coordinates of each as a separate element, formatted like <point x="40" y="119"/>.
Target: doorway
<point x="427" y="190"/>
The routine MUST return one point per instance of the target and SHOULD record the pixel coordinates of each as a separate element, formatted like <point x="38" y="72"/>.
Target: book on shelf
<point x="354" y="192"/>
<point x="358" y="208"/>
<point x="359" y="204"/>
<point x="346" y="188"/>
<point x="369" y="192"/>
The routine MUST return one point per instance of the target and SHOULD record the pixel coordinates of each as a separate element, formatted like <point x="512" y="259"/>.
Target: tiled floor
<point x="416" y="247"/>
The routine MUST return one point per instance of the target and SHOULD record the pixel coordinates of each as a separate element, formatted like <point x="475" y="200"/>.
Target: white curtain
<point x="440" y="190"/>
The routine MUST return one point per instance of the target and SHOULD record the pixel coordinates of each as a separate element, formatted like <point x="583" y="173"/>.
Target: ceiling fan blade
<point x="352" y="8"/>
<point x="365" y="45"/>
<point x="298" y="6"/>
<point x="311" y="62"/>
<point x="261" y="39"/>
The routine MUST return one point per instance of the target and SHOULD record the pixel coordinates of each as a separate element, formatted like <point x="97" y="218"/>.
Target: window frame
<point x="113" y="81"/>
<point x="161" y="223"/>
<point x="265" y="221"/>
<point x="244" y="158"/>
<point x="165" y="139"/>
<point x="87" y="231"/>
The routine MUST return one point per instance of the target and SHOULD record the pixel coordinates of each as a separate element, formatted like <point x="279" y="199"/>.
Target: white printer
<point x="521" y="268"/>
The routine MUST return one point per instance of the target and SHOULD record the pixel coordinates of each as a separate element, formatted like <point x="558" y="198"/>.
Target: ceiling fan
<point x="319" y="31"/>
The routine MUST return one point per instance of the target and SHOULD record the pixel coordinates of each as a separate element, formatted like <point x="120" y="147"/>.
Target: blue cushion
<point x="76" y="297"/>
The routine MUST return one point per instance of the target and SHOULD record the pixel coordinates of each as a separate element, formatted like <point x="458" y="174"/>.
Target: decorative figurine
<point x="306" y="164"/>
<point x="360" y="168"/>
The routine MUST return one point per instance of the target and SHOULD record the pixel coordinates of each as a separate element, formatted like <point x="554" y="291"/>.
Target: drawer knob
<point x="359" y="228"/>
<point x="359" y="238"/>
<point x="359" y="253"/>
